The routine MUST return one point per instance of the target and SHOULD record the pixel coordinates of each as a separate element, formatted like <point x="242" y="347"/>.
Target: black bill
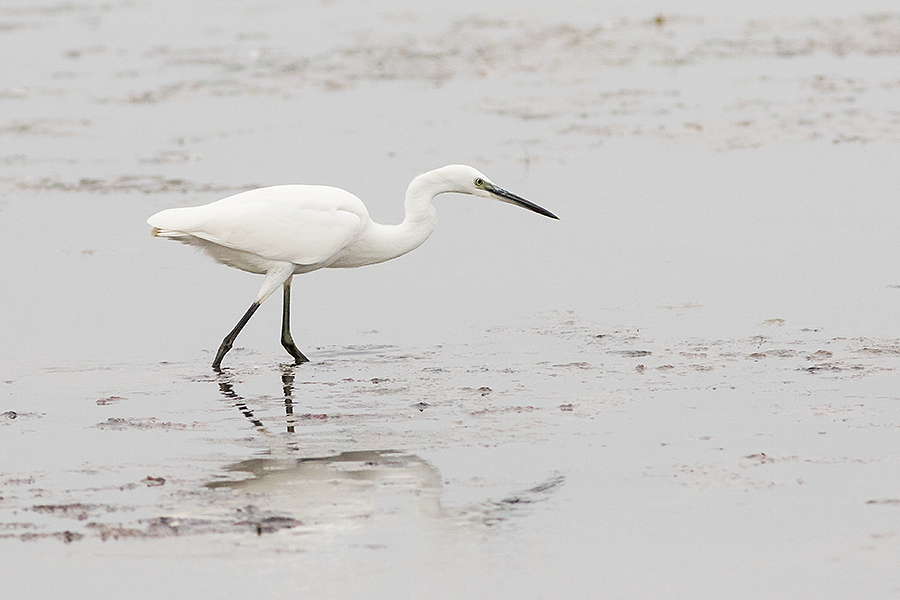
<point x="505" y="196"/>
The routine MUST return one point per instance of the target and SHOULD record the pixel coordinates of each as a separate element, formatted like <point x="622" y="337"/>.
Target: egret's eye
<point x="479" y="182"/>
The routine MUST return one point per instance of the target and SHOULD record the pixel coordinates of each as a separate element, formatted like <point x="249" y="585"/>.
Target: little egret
<point x="284" y="230"/>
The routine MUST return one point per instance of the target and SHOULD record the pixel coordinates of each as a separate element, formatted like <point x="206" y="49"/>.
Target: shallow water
<point x="685" y="387"/>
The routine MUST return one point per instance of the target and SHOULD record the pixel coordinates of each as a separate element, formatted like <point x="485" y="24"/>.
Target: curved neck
<point x="418" y="223"/>
<point x="384" y="242"/>
<point x="380" y="243"/>
<point x="420" y="216"/>
<point x="418" y="205"/>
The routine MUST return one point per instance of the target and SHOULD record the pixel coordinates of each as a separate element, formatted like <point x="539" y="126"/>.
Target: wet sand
<point x="686" y="387"/>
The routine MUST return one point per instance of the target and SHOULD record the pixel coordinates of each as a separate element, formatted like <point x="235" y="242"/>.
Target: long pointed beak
<point x="511" y="198"/>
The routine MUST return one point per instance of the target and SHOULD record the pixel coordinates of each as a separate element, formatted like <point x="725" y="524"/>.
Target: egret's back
<point x="300" y="224"/>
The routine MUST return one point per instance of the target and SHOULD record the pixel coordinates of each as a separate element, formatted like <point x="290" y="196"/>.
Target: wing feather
<point x="302" y="224"/>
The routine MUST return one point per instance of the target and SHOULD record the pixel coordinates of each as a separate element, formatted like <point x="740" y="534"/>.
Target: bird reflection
<point x="347" y="481"/>
<point x="346" y="486"/>
<point x="342" y="486"/>
<point x="227" y="390"/>
<point x="287" y="384"/>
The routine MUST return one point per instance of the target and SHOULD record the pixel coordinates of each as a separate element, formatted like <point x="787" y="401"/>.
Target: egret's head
<point x="464" y="179"/>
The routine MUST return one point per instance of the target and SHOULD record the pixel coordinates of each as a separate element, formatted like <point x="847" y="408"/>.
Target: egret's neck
<point x="419" y="205"/>
<point x="384" y="242"/>
<point x="418" y="222"/>
<point x="380" y="243"/>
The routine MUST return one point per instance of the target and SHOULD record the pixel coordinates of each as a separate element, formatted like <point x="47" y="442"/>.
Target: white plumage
<point x="301" y="224"/>
<point x="283" y="230"/>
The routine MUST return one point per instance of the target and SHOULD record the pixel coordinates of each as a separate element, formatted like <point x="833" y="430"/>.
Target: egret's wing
<point x="304" y="225"/>
<point x="299" y="235"/>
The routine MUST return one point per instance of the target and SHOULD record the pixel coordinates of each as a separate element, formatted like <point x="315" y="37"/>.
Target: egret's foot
<point x="228" y="342"/>
<point x="217" y="363"/>
<point x="292" y="349"/>
<point x="288" y="342"/>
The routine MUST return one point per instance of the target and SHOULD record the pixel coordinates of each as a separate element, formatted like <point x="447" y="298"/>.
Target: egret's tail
<point x="169" y="233"/>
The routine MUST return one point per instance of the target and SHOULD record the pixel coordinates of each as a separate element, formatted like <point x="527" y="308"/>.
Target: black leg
<point x="229" y="339"/>
<point x="286" y="340"/>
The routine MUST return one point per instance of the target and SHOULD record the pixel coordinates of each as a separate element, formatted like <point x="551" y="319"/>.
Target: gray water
<point x="685" y="387"/>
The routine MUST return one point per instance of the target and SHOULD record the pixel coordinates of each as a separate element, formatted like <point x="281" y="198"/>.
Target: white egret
<point x="284" y="230"/>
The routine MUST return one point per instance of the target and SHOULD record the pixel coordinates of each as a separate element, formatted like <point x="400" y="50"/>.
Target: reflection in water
<point x="349" y="485"/>
<point x="346" y="485"/>
<point x="228" y="391"/>
<point x="287" y="384"/>
<point x="324" y="487"/>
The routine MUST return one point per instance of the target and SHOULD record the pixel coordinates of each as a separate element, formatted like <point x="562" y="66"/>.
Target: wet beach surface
<point x="686" y="387"/>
